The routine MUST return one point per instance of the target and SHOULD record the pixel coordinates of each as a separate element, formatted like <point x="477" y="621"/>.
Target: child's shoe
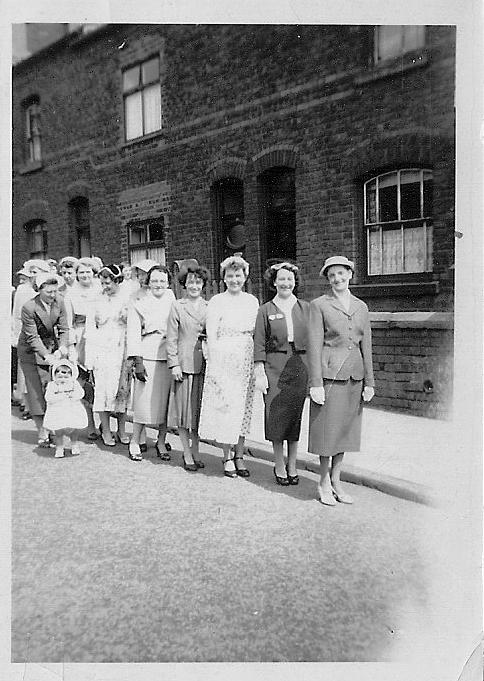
<point x="59" y="452"/>
<point x="67" y="442"/>
<point x="76" y="449"/>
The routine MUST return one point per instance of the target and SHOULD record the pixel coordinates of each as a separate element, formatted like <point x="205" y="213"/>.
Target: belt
<point x="284" y="352"/>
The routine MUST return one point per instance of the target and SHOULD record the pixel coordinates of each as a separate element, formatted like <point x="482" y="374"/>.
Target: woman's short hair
<point x="112" y="271"/>
<point x="158" y="268"/>
<point x="234" y="262"/>
<point x="271" y="273"/>
<point x="198" y="270"/>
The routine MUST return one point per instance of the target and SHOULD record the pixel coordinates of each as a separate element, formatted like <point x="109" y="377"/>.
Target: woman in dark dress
<point x="341" y="376"/>
<point x="279" y="354"/>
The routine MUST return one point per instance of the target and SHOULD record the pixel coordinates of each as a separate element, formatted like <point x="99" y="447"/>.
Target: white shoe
<point x="76" y="449"/>
<point x="59" y="452"/>
<point x="326" y="497"/>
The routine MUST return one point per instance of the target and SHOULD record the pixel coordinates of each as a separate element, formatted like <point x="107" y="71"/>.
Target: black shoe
<point x="293" y="479"/>
<point x="164" y="456"/>
<point x="189" y="466"/>
<point x="243" y="472"/>
<point x="199" y="464"/>
<point x="144" y="448"/>
<point x="232" y="473"/>
<point x="281" y="481"/>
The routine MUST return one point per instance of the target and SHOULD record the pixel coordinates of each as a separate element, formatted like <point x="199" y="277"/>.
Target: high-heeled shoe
<point x="122" y="440"/>
<point x="326" y="497"/>
<point x="343" y="497"/>
<point x="189" y="466"/>
<point x="108" y="440"/>
<point x="293" y="479"/>
<point x="199" y="464"/>
<point x="164" y="456"/>
<point x="280" y="480"/>
<point x="135" y="452"/>
<point x="231" y="473"/>
<point x="242" y="472"/>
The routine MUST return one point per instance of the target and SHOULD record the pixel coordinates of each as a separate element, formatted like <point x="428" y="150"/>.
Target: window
<point x="142" y="98"/>
<point x="79" y="224"/>
<point x="278" y="203"/>
<point x="32" y="131"/>
<point x="398" y="222"/>
<point x="37" y="239"/>
<point x="394" y="41"/>
<point x="228" y="196"/>
<point x="147" y="240"/>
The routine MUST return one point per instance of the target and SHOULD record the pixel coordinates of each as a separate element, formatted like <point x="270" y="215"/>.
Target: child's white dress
<point x="64" y="407"/>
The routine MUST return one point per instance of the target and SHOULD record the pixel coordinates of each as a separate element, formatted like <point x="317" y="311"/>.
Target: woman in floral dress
<point x="229" y="381"/>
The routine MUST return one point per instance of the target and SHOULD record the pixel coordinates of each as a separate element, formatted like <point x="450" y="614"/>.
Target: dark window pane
<point x="150" y="71"/>
<point x="131" y="78"/>
<point x="371" y="201"/>
<point x="427" y="195"/>
<point x="156" y="232"/>
<point x="388" y="203"/>
<point x="410" y="194"/>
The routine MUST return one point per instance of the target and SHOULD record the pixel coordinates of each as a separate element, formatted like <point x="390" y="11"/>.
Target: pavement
<point x="400" y="454"/>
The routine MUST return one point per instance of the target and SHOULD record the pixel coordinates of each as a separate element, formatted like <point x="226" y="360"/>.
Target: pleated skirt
<point x="150" y="399"/>
<point x="185" y="402"/>
<point x="335" y="426"/>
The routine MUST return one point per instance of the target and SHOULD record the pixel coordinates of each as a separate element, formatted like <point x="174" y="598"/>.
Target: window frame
<point x="377" y="60"/>
<point x="31" y="112"/>
<point x="78" y="227"/>
<point x="426" y="221"/>
<point x="141" y="87"/>
<point x="146" y="245"/>
<point x="31" y="229"/>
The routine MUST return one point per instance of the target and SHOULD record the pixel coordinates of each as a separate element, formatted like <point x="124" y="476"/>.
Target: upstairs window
<point x="32" y="131"/>
<point x="398" y="222"/>
<point x="142" y="98"/>
<point x="37" y="239"/>
<point x="79" y="223"/>
<point x="146" y="239"/>
<point x="392" y="42"/>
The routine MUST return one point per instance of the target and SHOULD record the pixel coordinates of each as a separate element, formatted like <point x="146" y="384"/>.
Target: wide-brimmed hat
<point x="336" y="260"/>
<point x="145" y="265"/>
<point x="41" y="265"/>
<point x="113" y="270"/>
<point x="64" y="363"/>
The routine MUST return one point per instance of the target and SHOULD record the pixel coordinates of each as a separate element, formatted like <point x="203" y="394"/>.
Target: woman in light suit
<point x="341" y="375"/>
<point x="147" y="324"/>
<point x="44" y="337"/>
<point x="186" y="330"/>
<point x="280" y="341"/>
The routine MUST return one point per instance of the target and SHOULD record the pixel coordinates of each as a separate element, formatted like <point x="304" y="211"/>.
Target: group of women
<point x="193" y="366"/>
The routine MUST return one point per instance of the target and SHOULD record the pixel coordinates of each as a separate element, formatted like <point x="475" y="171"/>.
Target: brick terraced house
<point x="176" y="141"/>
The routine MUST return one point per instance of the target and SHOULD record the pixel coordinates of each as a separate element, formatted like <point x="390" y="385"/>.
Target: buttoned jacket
<point x="271" y="329"/>
<point x="147" y="325"/>
<point x="339" y="341"/>
<point x="42" y="332"/>
<point x="183" y="345"/>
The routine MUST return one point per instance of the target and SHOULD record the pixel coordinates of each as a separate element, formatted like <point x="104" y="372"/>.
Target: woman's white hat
<point x="336" y="260"/>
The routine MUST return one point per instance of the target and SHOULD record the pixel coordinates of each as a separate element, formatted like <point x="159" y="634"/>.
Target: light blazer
<point x="339" y="341"/>
<point x="183" y="346"/>
<point x="271" y="329"/>
<point x="147" y="323"/>
<point x="42" y="333"/>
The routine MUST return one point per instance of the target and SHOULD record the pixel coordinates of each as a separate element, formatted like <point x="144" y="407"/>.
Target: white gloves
<point x="368" y="393"/>
<point x="317" y="395"/>
<point x="261" y="382"/>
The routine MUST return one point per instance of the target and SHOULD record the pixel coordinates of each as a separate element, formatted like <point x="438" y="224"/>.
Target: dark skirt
<point x="335" y="426"/>
<point x="185" y="402"/>
<point x="36" y="379"/>
<point x="288" y="385"/>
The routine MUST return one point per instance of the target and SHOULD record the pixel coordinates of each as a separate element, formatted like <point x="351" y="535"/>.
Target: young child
<point x="65" y="414"/>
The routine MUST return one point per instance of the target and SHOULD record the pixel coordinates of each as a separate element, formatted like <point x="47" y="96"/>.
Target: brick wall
<point x="413" y="363"/>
